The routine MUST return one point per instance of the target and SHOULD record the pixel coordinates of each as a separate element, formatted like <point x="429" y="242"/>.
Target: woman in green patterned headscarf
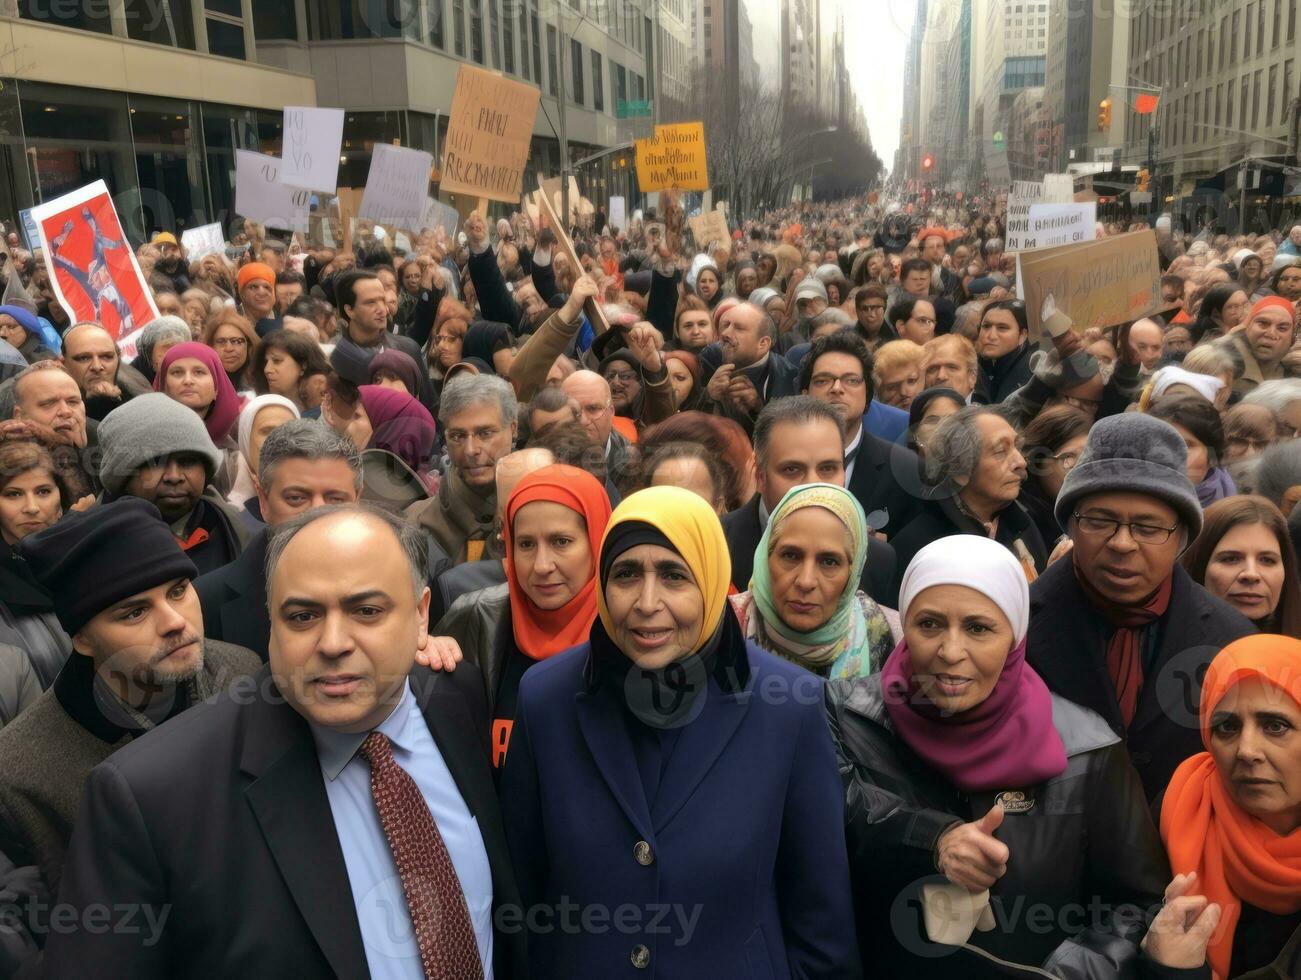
<point x="803" y="603"/>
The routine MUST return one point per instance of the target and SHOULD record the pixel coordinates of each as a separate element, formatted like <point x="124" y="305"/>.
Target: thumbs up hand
<point x="970" y="855"/>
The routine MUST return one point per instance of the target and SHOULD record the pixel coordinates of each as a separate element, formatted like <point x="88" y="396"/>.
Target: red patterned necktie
<point x="439" y="914"/>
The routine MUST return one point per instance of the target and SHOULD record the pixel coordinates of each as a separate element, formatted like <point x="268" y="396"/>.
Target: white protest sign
<point x="203" y="241"/>
<point x="1059" y="188"/>
<point x="1051" y="225"/>
<point x="1024" y="194"/>
<point x="439" y="215"/>
<point x="312" y="138"/>
<point x="261" y="196"/>
<point x="397" y="186"/>
<point x="618" y="213"/>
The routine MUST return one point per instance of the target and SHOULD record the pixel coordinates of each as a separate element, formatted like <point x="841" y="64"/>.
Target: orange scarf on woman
<point x="1237" y="858"/>
<point x="541" y="633"/>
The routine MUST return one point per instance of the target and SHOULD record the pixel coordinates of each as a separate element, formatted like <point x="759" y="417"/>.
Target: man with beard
<point x="171" y="261"/>
<point x="752" y="373"/>
<point x="122" y="590"/>
<point x="157" y="449"/>
<point x="91" y="357"/>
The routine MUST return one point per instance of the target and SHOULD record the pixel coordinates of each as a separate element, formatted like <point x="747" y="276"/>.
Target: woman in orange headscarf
<point x="554" y="522"/>
<point x="1231" y="821"/>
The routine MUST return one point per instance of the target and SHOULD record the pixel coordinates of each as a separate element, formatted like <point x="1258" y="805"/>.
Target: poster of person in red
<point x="92" y="267"/>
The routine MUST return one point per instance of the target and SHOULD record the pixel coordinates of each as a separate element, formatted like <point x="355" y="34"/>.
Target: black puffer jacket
<point x="1081" y="844"/>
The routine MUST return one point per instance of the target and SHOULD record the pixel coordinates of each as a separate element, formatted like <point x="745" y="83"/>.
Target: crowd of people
<point x="821" y="617"/>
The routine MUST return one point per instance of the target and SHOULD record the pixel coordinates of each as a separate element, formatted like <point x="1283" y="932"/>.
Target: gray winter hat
<point x="1137" y="453"/>
<point x="148" y="427"/>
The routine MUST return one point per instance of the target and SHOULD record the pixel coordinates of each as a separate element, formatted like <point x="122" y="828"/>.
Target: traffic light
<point x="1104" y="115"/>
<point x="1143" y="180"/>
<point x="928" y="163"/>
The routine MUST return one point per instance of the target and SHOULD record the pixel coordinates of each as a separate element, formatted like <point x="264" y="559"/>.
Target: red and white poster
<point x="92" y="266"/>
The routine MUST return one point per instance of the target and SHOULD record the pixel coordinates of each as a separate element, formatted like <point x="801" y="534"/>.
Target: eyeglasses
<point x="446" y="338"/>
<point x="1066" y="461"/>
<point x="594" y="411"/>
<point x="850" y="382"/>
<point x="1250" y="445"/>
<point x="230" y="342"/>
<point x="623" y="377"/>
<point x="1109" y="527"/>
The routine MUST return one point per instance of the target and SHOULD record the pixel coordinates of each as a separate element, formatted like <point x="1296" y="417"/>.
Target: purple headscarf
<point x="225" y="408"/>
<point x="399" y="424"/>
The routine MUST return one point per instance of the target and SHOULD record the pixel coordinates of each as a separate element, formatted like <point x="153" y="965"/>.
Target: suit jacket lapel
<point x="699" y="746"/>
<point x="607" y="739"/>
<point x="287" y="796"/>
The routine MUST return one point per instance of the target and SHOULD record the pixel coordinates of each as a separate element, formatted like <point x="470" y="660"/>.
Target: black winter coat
<point x="1068" y="647"/>
<point x="1081" y="843"/>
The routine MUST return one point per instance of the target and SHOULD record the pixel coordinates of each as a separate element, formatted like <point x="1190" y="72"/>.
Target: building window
<point x="1278" y="22"/>
<point x="494" y="31"/>
<point x="576" y="66"/>
<point x="437" y="20"/>
<point x="347" y="20"/>
<point x="169" y="160"/>
<point x="508" y="42"/>
<point x="1269" y="97"/>
<point x="274" y="20"/>
<point x="620" y="83"/>
<point x="82" y="16"/>
<point x="476" y="31"/>
<point x="1260" y="29"/>
<point x="75" y="136"/>
<point x="537" y="45"/>
<point x="553" y="68"/>
<point x="1255" y="98"/>
<point x="169" y="22"/>
<point x="226" y="39"/>
<point x="458" y="27"/>
<point x="524" y="42"/>
<point x="598" y="83"/>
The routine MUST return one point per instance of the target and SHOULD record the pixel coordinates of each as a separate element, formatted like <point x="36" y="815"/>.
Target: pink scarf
<point x="1006" y="742"/>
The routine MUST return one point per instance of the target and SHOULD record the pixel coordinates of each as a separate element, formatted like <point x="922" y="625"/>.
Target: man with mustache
<point x="122" y="590"/>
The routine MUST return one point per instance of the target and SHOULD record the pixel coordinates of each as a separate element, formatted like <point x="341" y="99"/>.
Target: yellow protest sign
<point x="674" y="157"/>
<point x="488" y="135"/>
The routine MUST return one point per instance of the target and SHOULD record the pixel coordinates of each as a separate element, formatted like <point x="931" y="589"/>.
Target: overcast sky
<point x="876" y="38"/>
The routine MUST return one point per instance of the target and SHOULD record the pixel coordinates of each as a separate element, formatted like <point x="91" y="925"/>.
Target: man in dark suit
<point x="753" y="374"/>
<point x="336" y="818"/>
<point x="838" y="371"/>
<point x="798" y="440"/>
<point x="121" y="589"/>
<point x="302" y="464"/>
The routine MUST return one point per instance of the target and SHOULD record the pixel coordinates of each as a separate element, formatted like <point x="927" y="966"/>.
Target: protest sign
<point x="312" y="138"/>
<point x="1096" y="283"/>
<point x="347" y="203"/>
<point x="439" y="215"/>
<point x="93" y="269"/>
<point x="1054" y="225"/>
<point x="710" y="228"/>
<point x="203" y="241"/>
<point x="595" y="315"/>
<point x="397" y="186"/>
<point x="260" y="195"/>
<point x="489" y="131"/>
<point x="673" y="158"/>
<point x="29" y="228"/>
<point x="618" y="213"/>
<point x="1024" y="194"/>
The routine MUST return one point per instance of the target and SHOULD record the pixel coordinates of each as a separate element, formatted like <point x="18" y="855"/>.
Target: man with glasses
<point x="1118" y="625"/>
<point x="838" y="371"/>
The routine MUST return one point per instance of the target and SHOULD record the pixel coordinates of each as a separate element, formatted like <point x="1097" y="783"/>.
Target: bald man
<point x="472" y="575"/>
<point x="596" y="413"/>
<point x="1148" y="340"/>
<point x="105" y="380"/>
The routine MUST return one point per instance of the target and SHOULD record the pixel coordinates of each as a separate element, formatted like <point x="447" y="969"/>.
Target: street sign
<point x="632" y="109"/>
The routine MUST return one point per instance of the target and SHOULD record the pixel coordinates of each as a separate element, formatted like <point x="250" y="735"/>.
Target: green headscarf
<point x="857" y="637"/>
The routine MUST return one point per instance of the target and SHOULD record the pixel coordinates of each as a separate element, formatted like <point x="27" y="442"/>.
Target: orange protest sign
<point x="488" y="135"/>
<point x="673" y="157"/>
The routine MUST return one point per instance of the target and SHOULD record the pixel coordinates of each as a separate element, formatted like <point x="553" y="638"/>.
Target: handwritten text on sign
<point x="488" y="135"/>
<point x="261" y="196"/>
<point x="312" y="138"/>
<point x="1051" y="225"/>
<point x="675" y="157"/>
<point x="397" y="186"/>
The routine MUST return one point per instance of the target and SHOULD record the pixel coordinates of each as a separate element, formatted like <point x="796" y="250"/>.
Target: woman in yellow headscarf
<point x="667" y="765"/>
<point x="1231" y="821"/>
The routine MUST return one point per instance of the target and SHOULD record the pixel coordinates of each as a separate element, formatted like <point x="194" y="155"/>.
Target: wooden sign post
<point x="592" y="308"/>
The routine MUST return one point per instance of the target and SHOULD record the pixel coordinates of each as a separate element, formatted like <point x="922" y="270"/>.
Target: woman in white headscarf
<point x="257" y="420"/>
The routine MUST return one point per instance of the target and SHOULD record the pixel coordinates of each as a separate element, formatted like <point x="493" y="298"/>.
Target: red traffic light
<point x="928" y="162"/>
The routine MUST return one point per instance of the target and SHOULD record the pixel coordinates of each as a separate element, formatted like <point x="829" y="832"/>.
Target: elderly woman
<point x="23" y="331"/>
<point x="553" y="525"/>
<point x="1245" y="557"/>
<point x="158" y="337"/>
<point x="957" y="758"/>
<point x="1282" y="397"/>
<point x="1231" y="818"/>
<point x="804" y="603"/>
<point x="1278" y="475"/>
<point x="974" y="473"/>
<point x="257" y="420"/>
<point x="625" y="749"/>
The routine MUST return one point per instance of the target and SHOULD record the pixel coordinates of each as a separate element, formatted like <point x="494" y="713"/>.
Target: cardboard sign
<point x="710" y="228"/>
<point x="673" y="158"/>
<point x="1026" y="193"/>
<point x="595" y="315"/>
<point x="347" y="203"/>
<point x="618" y="213"/>
<point x="203" y="241"/>
<point x="93" y="270"/>
<point x="1054" y="225"/>
<point x="439" y="215"/>
<point x="397" y="186"/>
<point x="312" y="138"/>
<point x="260" y="195"/>
<point x="1097" y="284"/>
<point x="489" y="131"/>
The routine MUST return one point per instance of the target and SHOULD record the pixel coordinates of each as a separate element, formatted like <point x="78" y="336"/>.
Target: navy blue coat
<point x="743" y="851"/>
